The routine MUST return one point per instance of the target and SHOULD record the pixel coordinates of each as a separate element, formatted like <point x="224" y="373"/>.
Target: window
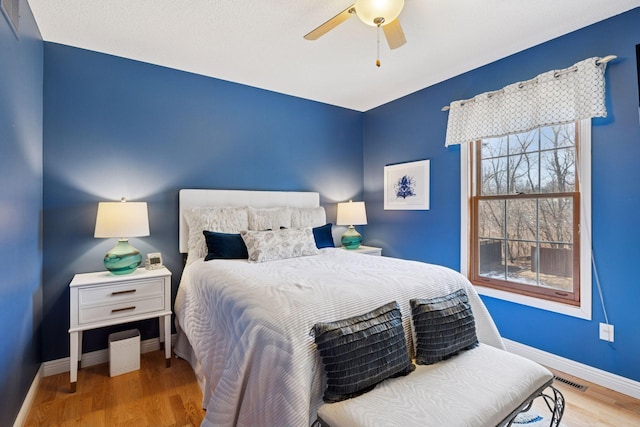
<point x="526" y="198"/>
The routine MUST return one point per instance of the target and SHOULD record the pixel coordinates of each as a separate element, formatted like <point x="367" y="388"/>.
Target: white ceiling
<point x="259" y="42"/>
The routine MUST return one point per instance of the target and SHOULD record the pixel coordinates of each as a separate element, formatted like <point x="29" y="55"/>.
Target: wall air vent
<point x="570" y="383"/>
<point x="10" y="11"/>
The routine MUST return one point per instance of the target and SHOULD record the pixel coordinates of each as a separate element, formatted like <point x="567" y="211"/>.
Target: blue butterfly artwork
<point x="405" y="187"/>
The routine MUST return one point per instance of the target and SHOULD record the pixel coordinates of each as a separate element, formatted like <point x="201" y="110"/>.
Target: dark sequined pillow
<point x="361" y="351"/>
<point x="444" y="326"/>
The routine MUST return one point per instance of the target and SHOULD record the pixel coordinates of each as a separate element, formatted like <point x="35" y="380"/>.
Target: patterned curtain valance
<point x="554" y="97"/>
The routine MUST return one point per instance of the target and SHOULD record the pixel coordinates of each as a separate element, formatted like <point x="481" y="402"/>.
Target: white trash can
<point x="124" y="352"/>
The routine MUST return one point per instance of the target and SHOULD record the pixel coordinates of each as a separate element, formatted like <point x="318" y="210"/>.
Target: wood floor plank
<point x="178" y="410"/>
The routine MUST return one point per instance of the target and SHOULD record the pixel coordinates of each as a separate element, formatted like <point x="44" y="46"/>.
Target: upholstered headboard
<point x="258" y="199"/>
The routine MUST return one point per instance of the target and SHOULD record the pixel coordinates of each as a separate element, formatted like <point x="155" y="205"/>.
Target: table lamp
<point x="351" y="213"/>
<point x="122" y="219"/>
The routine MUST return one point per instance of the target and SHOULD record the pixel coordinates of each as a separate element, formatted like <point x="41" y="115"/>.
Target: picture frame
<point x="406" y="186"/>
<point x="638" y="67"/>
<point x="10" y="10"/>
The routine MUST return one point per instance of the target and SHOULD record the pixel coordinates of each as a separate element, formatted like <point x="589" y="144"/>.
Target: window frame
<point x="582" y="309"/>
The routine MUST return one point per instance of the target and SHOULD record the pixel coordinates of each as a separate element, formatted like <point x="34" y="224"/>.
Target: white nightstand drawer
<point x="126" y="291"/>
<point x="120" y="309"/>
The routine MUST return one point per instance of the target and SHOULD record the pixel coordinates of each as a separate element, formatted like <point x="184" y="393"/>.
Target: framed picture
<point x="638" y="66"/>
<point x="406" y="186"/>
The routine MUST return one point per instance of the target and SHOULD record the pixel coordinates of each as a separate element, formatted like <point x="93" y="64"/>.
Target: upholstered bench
<point x="481" y="387"/>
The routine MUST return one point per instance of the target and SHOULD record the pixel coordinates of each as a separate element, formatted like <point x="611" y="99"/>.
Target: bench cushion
<point x="479" y="387"/>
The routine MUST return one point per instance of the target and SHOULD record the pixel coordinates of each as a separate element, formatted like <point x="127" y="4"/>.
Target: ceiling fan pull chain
<point x="378" y="47"/>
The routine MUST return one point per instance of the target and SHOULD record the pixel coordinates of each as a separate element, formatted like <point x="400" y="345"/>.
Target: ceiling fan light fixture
<point x="369" y="11"/>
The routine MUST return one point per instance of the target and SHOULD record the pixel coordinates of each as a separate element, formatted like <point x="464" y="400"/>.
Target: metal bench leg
<point x="554" y="401"/>
<point x="555" y="405"/>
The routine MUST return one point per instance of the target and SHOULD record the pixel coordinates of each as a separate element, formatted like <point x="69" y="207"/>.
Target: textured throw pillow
<point x="444" y="326"/>
<point x="361" y="351"/>
<point x="224" y="246"/>
<point x="323" y="236"/>
<point x="308" y="217"/>
<point x="269" y="218"/>
<point x="220" y="219"/>
<point x="273" y="245"/>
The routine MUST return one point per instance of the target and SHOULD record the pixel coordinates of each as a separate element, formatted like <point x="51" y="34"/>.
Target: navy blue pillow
<point x="224" y="246"/>
<point x="323" y="236"/>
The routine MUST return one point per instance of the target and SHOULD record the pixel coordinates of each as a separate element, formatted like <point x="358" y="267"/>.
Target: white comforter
<point x="248" y="326"/>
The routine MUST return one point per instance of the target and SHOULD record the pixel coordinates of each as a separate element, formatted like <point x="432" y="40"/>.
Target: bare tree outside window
<point x="525" y="212"/>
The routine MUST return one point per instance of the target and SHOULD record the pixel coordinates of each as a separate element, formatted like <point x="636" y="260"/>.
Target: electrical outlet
<point x="606" y="332"/>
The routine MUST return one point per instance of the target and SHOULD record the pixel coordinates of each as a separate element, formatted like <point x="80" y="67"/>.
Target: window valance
<point x="554" y="97"/>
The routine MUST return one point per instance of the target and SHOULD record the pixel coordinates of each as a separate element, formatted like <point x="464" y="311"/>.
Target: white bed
<point x="245" y="326"/>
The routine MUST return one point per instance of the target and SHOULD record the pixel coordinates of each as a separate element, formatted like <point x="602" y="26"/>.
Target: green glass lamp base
<point x="123" y="259"/>
<point x="351" y="239"/>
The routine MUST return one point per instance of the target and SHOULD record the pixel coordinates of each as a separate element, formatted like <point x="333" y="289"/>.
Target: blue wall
<point x="20" y="206"/>
<point x="414" y="128"/>
<point x="115" y="127"/>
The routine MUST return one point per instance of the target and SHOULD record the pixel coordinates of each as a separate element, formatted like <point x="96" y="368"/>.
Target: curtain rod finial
<point x="606" y="59"/>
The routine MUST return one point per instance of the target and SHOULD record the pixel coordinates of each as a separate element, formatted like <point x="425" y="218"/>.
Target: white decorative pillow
<point x="269" y="218"/>
<point x="221" y="220"/>
<point x="279" y="244"/>
<point x="308" y="217"/>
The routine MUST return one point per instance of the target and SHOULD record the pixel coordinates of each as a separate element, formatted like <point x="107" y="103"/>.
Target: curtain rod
<point x="598" y="62"/>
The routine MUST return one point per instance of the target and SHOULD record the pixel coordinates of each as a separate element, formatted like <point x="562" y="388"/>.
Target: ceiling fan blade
<point x="330" y="24"/>
<point x="394" y="34"/>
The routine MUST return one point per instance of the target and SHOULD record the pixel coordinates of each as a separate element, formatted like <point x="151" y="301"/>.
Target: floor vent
<point x="570" y="383"/>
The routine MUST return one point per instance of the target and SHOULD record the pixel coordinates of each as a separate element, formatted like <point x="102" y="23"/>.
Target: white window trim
<point x="584" y="173"/>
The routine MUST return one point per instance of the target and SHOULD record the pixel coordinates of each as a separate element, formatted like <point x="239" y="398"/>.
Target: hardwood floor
<point x="151" y="396"/>
<point x="597" y="406"/>
<point x="158" y="396"/>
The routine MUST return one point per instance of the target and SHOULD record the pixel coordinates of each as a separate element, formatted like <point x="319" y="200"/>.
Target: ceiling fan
<point x="377" y="13"/>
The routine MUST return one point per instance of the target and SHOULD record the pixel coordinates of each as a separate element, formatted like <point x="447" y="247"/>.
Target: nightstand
<point x="104" y="299"/>
<point x="368" y="250"/>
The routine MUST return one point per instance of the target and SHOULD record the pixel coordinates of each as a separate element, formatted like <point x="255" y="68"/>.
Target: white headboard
<point x="256" y="199"/>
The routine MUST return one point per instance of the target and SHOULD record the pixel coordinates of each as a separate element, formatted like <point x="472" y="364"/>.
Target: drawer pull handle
<point x="116" y="310"/>
<point x="130" y="291"/>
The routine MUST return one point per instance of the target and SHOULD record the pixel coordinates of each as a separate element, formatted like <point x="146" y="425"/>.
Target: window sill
<point x="582" y="312"/>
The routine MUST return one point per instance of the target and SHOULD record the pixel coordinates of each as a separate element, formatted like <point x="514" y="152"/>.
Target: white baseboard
<point x="594" y="375"/>
<point x="60" y="366"/>
<point x="28" y="399"/>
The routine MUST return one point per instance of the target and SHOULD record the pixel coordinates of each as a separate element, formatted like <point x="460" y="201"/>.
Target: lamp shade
<point x="351" y="213"/>
<point x="369" y="10"/>
<point x="122" y="219"/>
